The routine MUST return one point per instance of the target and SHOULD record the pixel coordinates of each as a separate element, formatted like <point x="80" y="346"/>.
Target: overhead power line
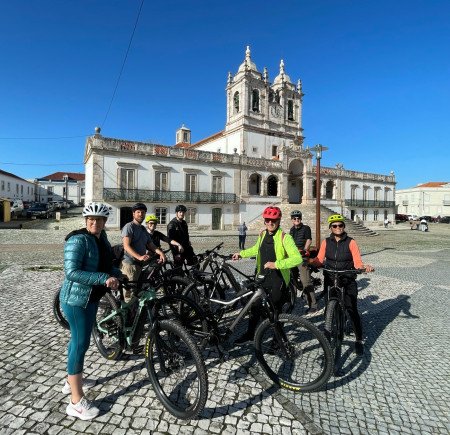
<point x="110" y="103"/>
<point x="123" y="64"/>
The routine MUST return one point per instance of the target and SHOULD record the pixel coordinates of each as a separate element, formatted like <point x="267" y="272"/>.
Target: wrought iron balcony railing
<point x="168" y="196"/>
<point x="369" y="203"/>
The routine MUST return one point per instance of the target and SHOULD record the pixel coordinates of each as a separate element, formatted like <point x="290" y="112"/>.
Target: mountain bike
<point x="292" y="351"/>
<point x="337" y="321"/>
<point x="174" y="364"/>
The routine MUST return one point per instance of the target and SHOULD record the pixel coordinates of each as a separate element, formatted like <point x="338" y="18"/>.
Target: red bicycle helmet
<point x="272" y="213"/>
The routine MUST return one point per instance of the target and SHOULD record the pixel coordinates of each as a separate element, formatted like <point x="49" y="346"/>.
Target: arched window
<point x="290" y="110"/>
<point x="236" y="102"/>
<point x="255" y="100"/>
<point x="272" y="186"/>
<point x="277" y="97"/>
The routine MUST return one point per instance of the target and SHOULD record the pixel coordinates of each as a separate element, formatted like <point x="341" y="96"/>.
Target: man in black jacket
<point x="177" y="230"/>
<point x="301" y="234"/>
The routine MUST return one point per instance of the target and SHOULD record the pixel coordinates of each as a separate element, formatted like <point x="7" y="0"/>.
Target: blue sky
<point x="376" y="76"/>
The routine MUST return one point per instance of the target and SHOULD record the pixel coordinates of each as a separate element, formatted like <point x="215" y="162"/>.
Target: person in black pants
<point x="177" y="230"/>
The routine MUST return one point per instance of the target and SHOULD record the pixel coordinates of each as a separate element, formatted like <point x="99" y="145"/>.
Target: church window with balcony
<point x="161" y="181"/>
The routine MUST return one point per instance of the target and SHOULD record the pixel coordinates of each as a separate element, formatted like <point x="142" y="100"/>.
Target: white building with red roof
<point x="426" y="199"/>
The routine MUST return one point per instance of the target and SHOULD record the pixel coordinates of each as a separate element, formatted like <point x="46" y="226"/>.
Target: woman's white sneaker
<point x="87" y="383"/>
<point x="84" y="409"/>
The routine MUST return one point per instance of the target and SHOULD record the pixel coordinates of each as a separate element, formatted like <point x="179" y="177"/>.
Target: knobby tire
<point x="294" y="354"/>
<point x="176" y="369"/>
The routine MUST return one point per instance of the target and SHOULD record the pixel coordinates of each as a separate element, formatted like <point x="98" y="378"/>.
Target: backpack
<point x="117" y="254"/>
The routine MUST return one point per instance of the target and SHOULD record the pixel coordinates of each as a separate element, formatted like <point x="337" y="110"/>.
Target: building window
<point x="126" y="178"/>
<point x="191" y="216"/>
<point x="217" y="184"/>
<point x="255" y="100"/>
<point x="290" y="110"/>
<point x="21" y="189"/>
<point x="17" y="188"/>
<point x="161" y="181"/>
<point x="364" y="215"/>
<point x="274" y="150"/>
<point x="50" y="190"/>
<point x="191" y="183"/>
<point x="236" y="102"/>
<point x="82" y="191"/>
<point x="161" y="214"/>
<point x="375" y="215"/>
<point x="3" y="185"/>
<point x="9" y="186"/>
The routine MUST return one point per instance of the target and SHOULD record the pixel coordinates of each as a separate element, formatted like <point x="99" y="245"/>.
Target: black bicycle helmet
<point x="296" y="213"/>
<point x="180" y="207"/>
<point x="139" y="206"/>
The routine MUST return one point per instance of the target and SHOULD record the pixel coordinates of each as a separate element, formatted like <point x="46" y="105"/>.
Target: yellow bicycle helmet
<point x="151" y="217"/>
<point x="335" y="218"/>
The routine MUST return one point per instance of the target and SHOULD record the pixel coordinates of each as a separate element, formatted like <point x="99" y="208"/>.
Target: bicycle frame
<point x="145" y="298"/>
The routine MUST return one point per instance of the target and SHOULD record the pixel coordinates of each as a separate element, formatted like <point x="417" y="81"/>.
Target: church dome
<point x="248" y="64"/>
<point x="282" y="76"/>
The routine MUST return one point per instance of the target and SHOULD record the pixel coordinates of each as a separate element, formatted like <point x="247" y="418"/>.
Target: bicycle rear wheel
<point x="334" y="328"/>
<point x="58" y="312"/>
<point x="176" y="370"/>
<point x="108" y="335"/>
<point x="294" y="353"/>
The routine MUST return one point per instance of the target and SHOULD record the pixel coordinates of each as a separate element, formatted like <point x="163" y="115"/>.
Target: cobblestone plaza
<point x="400" y="385"/>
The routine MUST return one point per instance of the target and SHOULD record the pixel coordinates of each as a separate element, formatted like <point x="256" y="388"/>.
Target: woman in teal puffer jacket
<point x="88" y="273"/>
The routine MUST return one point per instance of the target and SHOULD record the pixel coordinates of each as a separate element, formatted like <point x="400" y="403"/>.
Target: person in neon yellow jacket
<point x="277" y="252"/>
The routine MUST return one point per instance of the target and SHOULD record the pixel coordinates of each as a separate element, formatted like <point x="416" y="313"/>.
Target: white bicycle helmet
<point x="96" y="209"/>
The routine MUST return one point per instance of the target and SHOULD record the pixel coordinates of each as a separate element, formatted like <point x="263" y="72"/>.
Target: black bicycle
<point x="337" y="321"/>
<point x="174" y="363"/>
<point x="291" y="350"/>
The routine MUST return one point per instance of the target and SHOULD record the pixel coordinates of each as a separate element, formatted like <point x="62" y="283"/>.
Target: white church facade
<point x="258" y="159"/>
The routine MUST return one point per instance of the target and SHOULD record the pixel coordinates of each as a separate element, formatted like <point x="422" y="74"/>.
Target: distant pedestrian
<point x="386" y="222"/>
<point x="242" y="230"/>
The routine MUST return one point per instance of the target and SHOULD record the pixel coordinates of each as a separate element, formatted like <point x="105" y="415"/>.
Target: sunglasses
<point x="274" y="221"/>
<point x="337" y="226"/>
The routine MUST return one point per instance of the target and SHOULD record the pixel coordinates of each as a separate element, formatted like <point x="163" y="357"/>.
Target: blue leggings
<point x="81" y="320"/>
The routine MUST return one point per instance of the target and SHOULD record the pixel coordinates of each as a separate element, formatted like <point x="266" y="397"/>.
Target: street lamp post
<point x="318" y="149"/>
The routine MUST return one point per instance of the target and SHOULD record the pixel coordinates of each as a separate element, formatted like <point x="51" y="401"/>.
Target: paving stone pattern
<point x="399" y="386"/>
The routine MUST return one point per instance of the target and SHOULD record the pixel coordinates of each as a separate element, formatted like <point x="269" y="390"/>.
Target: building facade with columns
<point x="258" y="159"/>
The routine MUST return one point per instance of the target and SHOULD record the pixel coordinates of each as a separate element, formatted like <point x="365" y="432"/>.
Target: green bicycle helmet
<point x="151" y="217"/>
<point x="335" y="218"/>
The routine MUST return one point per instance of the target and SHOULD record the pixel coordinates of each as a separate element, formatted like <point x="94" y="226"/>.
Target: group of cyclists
<point x="89" y="272"/>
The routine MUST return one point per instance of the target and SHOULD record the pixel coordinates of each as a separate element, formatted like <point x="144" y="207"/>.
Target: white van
<point x="16" y="206"/>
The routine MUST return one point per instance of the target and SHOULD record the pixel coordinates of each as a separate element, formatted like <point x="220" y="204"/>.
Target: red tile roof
<point x="434" y="184"/>
<point x="201" y="142"/>
<point x="59" y="176"/>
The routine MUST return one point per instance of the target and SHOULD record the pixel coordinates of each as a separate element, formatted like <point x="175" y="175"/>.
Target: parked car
<point x="40" y="210"/>
<point x="413" y="217"/>
<point x="427" y="218"/>
<point x="16" y="206"/>
<point x="445" y="220"/>
<point x="401" y="218"/>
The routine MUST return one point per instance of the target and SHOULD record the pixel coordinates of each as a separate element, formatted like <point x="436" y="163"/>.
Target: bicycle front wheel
<point x="294" y="353"/>
<point x="334" y="328"/>
<point x="176" y="370"/>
